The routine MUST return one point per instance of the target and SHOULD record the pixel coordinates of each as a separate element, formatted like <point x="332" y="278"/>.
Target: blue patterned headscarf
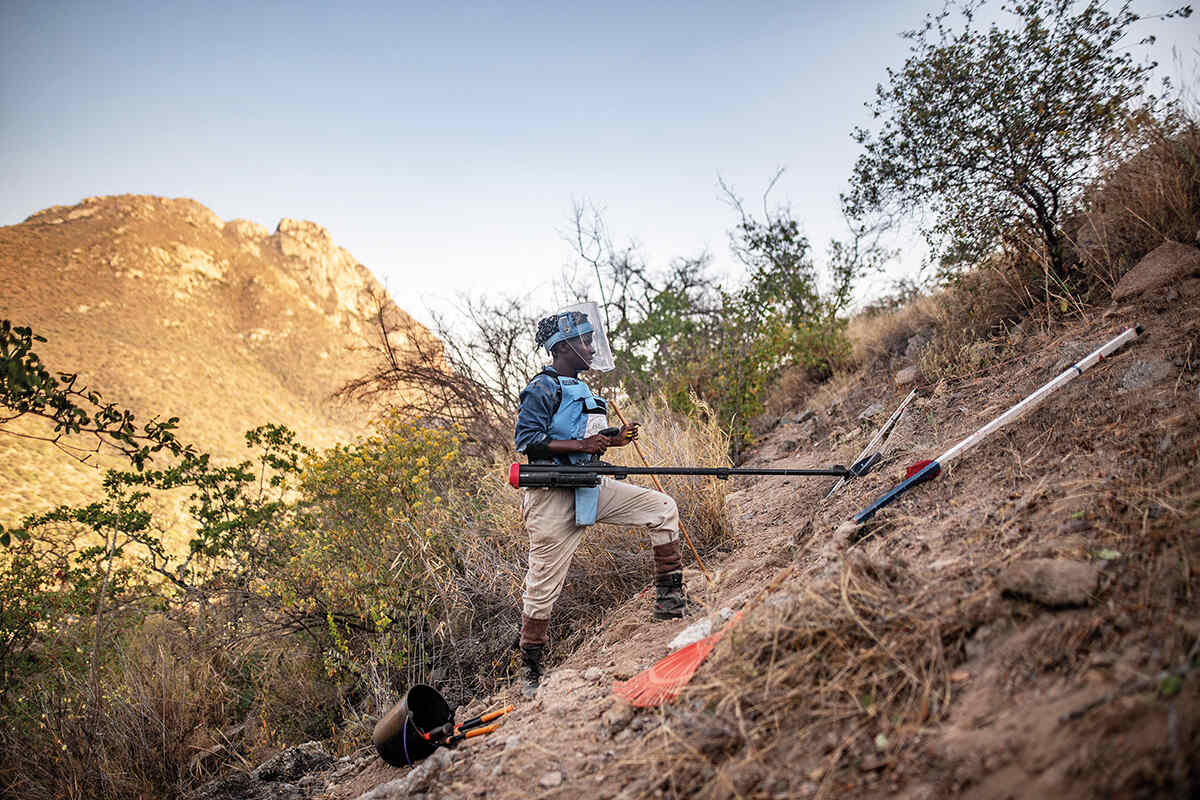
<point x="560" y="327"/>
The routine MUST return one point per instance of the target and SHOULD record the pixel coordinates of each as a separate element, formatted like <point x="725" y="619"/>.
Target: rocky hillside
<point x="167" y="310"/>
<point x="1025" y="626"/>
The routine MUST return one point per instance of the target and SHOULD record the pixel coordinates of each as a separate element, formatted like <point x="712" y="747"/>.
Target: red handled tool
<point x="449" y="735"/>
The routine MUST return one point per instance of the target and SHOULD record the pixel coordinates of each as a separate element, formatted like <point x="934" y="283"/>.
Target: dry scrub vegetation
<point x="847" y="684"/>
<point x="315" y="588"/>
<point x="398" y="558"/>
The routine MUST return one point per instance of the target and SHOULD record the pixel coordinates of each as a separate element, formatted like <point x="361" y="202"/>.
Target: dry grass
<point x="955" y="331"/>
<point x="882" y="336"/>
<point x="844" y="677"/>
<point x="1141" y="203"/>
<point x="842" y="682"/>
<point x="813" y="680"/>
<point x="670" y="439"/>
<point x="175" y="704"/>
<point x="790" y="391"/>
<point x="133" y="739"/>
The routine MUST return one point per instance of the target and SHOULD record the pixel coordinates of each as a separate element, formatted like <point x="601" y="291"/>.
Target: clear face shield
<point x="582" y="327"/>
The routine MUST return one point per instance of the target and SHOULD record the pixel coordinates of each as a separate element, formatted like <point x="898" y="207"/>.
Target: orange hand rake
<point x="665" y="679"/>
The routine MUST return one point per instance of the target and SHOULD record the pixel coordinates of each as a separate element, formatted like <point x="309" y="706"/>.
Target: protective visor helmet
<point x="573" y="324"/>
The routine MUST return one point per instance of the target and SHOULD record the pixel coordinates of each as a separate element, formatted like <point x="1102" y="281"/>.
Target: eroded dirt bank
<point x="1023" y="626"/>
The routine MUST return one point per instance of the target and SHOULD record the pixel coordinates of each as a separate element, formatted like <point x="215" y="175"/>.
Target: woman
<point x="560" y="420"/>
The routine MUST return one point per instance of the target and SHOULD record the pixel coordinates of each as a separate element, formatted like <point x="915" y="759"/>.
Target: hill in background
<point x="169" y="311"/>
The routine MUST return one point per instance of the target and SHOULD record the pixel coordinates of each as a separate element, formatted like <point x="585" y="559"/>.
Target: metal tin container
<point x="398" y="735"/>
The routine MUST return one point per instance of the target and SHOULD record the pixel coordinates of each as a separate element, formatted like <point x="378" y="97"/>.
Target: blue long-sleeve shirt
<point x="538" y="404"/>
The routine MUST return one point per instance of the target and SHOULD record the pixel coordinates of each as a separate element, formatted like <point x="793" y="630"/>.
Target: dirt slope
<point x="968" y="684"/>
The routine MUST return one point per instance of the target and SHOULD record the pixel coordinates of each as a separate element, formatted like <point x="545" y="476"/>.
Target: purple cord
<point x="404" y="736"/>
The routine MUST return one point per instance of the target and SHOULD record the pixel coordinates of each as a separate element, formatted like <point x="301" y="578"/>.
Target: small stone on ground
<point x="1142" y="373"/>
<point x="907" y="376"/>
<point x="1052" y="582"/>
<point x="618" y="715"/>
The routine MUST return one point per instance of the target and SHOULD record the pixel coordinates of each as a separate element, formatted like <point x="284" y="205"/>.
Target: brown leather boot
<point x="533" y="631"/>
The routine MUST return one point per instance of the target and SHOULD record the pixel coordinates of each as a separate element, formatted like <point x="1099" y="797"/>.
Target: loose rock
<point x="1142" y="373"/>
<point x="626" y="667"/>
<point x="418" y="780"/>
<point x="915" y="345"/>
<point x="1075" y="526"/>
<point x="871" y="411"/>
<point x="1167" y="263"/>
<point x="691" y="634"/>
<point x="550" y="780"/>
<point x="841" y="536"/>
<point x="1052" y="582"/>
<point x="274" y="779"/>
<point x="294" y="763"/>
<point x="618" y="716"/>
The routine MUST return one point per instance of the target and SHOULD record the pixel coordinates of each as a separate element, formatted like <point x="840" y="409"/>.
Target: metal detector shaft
<point x="543" y="476"/>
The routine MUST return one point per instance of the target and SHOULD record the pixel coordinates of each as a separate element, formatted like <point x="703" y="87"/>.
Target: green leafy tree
<point x="118" y="521"/>
<point x="85" y="561"/>
<point x="42" y="583"/>
<point x="993" y="131"/>
<point x="684" y="332"/>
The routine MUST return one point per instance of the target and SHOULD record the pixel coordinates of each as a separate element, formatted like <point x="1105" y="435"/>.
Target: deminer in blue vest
<point x="560" y="420"/>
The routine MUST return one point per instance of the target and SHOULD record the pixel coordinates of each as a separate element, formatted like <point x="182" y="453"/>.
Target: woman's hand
<point x="596" y="444"/>
<point x="627" y="434"/>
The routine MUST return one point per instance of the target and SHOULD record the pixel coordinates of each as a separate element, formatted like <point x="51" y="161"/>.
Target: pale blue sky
<point x="444" y="144"/>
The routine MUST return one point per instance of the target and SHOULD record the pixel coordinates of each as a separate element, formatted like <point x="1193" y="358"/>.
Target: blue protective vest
<point x="580" y="414"/>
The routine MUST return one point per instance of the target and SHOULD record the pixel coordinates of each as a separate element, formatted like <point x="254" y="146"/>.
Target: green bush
<point x="992" y="133"/>
<point x="371" y="550"/>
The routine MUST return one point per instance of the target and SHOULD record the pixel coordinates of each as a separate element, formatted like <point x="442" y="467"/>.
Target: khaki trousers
<point x="549" y="516"/>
